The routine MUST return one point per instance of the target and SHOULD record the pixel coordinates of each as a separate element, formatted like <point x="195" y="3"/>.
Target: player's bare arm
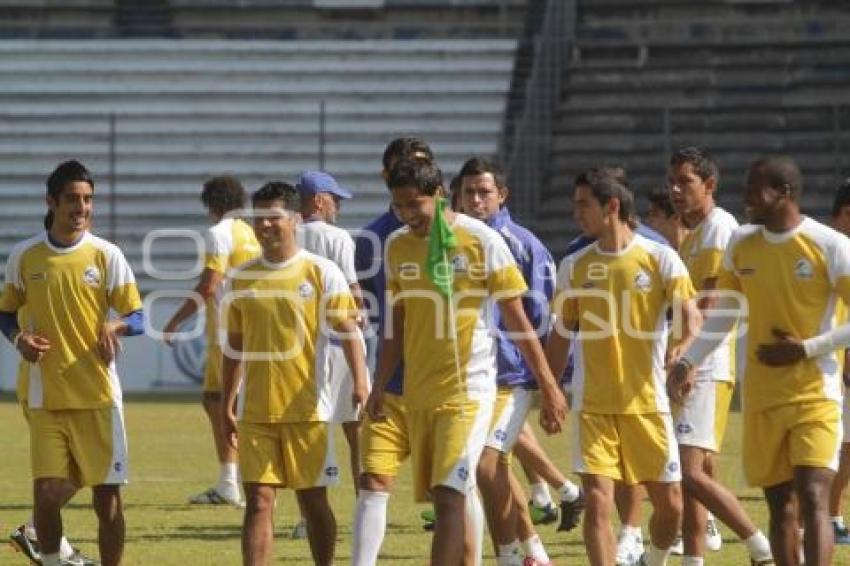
<point x="210" y="281"/>
<point x="356" y="358"/>
<point x="230" y="377"/>
<point x="553" y="405"/>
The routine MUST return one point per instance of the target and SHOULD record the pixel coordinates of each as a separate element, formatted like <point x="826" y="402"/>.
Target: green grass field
<point x="171" y="457"/>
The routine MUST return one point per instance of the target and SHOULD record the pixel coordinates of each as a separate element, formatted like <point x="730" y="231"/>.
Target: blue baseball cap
<point x="314" y="182"/>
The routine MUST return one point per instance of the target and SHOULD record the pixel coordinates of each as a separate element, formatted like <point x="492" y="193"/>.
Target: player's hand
<point x="786" y="351"/>
<point x="672" y="355"/>
<point x="360" y="395"/>
<point x="375" y="405"/>
<point x="553" y="410"/>
<point x="109" y="341"/>
<point x="228" y="426"/>
<point x="32" y="346"/>
<point x="680" y="381"/>
<point x="168" y="333"/>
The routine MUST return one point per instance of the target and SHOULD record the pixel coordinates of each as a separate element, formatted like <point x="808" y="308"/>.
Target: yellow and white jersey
<point x="229" y="243"/>
<point x="618" y="302"/>
<point x="284" y="312"/>
<point x="702" y="251"/>
<point x="68" y="294"/>
<point x="332" y="242"/>
<point x="792" y="282"/>
<point x="484" y="271"/>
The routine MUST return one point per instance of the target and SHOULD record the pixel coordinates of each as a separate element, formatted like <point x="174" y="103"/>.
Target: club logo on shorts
<point x="803" y="269"/>
<point x="117" y="466"/>
<point x="642" y="281"/>
<point x="91" y="276"/>
<point x="673" y="467"/>
<point x="305" y="290"/>
<point x="684" y="428"/>
<point x="332" y="471"/>
<point x="462" y="473"/>
<point x="500" y="435"/>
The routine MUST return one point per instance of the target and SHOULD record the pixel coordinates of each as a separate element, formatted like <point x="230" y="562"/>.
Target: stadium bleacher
<point x="740" y="77"/>
<point x="185" y="110"/>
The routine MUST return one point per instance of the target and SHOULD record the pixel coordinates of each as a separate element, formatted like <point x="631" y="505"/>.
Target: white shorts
<point x="509" y="414"/>
<point x="701" y="422"/>
<point x="341" y="386"/>
<point x="845" y="417"/>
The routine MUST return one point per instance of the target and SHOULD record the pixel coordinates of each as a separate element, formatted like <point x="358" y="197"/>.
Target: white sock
<point x="633" y="532"/>
<point x="370" y="524"/>
<point x="65" y="548"/>
<point x="709" y="516"/>
<point x="656" y="556"/>
<point x="533" y="547"/>
<point x="758" y="546"/>
<point x="838" y="521"/>
<point x="475" y="513"/>
<point x="50" y="559"/>
<point x="228" y="480"/>
<point x="540" y="496"/>
<point x="692" y="561"/>
<point x="29" y="529"/>
<point x="569" y="491"/>
<point x="509" y="555"/>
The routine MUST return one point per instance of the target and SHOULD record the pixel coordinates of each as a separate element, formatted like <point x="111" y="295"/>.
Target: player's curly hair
<point x="222" y="194"/>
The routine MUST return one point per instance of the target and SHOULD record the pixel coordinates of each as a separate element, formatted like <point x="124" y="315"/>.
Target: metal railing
<point x="526" y="152"/>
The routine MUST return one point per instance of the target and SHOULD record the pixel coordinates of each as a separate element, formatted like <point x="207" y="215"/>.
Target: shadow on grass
<point x="219" y="532"/>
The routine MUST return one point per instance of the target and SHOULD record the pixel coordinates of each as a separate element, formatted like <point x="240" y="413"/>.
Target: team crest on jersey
<point x="460" y="263"/>
<point x="643" y="282"/>
<point x="803" y="269"/>
<point x="332" y="471"/>
<point x="91" y="276"/>
<point x="305" y="290"/>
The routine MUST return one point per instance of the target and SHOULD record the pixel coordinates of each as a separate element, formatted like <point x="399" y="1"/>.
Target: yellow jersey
<point x="702" y="251"/>
<point x="229" y="243"/>
<point x="439" y="340"/>
<point x="618" y="303"/>
<point x="792" y="281"/>
<point x="284" y="313"/>
<point x="68" y="293"/>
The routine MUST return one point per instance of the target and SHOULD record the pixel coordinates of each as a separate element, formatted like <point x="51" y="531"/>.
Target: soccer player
<point x="74" y="407"/>
<point x="320" y="202"/>
<point x="791" y="270"/>
<point x="483" y="195"/>
<point x="841" y="222"/>
<point x="627" y="498"/>
<point x="693" y="176"/>
<point x="230" y="242"/>
<point x="385" y="443"/>
<point x="616" y="293"/>
<point x="449" y="354"/>
<point x="279" y="312"/>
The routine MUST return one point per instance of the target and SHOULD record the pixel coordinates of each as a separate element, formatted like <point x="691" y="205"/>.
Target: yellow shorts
<point x="701" y="422"/>
<point x="446" y="443"/>
<point x="629" y="448"/>
<point x="781" y="438"/>
<point x="291" y="455"/>
<point x="386" y="444"/>
<point x="86" y="446"/>
<point x="212" y="370"/>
